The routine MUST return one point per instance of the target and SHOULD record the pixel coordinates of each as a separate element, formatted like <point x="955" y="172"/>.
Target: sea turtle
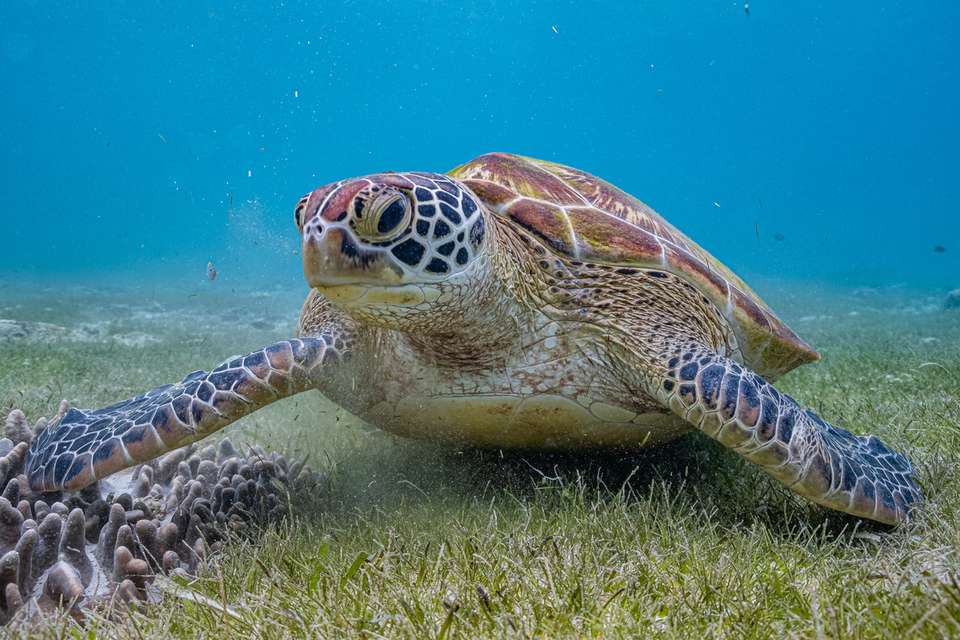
<point x="510" y="303"/>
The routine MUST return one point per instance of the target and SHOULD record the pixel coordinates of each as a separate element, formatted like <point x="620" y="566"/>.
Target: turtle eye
<point x="298" y="211"/>
<point x="386" y="217"/>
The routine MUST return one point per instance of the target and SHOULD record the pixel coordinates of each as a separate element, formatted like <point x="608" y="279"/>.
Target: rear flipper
<point x="855" y="474"/>
<point x="87" y="445"/>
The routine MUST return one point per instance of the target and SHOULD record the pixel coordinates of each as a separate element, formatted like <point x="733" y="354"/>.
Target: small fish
<point x="779" y="237"/>
<point x="746" y="8"/>
<point x="162" y="139"/>
<point x="756" y="229"/>
<point x="211" y="272"/>
<point x="939" y="249"/>
<point x="716" y="204"/>
<point x="554" y="29"/>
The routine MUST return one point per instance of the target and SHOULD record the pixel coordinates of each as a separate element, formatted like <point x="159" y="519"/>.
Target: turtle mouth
<point x="372" y="294"/>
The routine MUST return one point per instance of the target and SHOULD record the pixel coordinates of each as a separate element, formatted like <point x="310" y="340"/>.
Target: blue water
<point x="809" y="141"/>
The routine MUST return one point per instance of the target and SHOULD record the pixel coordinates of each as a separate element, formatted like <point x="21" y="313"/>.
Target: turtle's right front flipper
<point x="88" y="445"/>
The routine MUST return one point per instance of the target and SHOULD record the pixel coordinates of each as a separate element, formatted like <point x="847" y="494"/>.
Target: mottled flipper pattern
<point x="87" y="445"/>
<point x="859" y="475"/>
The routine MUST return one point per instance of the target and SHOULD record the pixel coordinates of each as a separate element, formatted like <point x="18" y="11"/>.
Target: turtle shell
<point x="583" y="217"/>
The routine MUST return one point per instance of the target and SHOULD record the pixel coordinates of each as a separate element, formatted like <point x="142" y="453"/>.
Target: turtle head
<point x="392" y="243"/>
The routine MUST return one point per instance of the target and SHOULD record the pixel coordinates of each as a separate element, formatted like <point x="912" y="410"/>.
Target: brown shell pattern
<point x="586" y="218"/>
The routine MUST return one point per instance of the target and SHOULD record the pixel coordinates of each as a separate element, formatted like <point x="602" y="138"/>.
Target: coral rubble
<point x="112" y="538"/>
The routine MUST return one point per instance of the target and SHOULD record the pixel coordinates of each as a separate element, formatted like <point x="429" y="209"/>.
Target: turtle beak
<point x="332" y="256"/>
<point x="337" y="265"/>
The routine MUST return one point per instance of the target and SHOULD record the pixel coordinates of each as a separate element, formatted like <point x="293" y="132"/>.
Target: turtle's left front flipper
<point x="859" y="475"/>
<point x="84" y="446"/>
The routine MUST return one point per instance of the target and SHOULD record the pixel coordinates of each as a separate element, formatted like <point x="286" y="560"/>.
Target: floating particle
<point x="939" y="249"/>
<point x="211" y="272"/>
<point x="162" y="139"/>
<point x="249" y="173"/>
<point x="716" y="204"/>
<point x="554" y="29"/>
<point x="296" y="93"/>
<point x="756" y="229"/>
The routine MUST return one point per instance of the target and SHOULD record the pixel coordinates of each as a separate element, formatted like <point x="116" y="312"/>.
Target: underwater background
<point x="806" y="142"/>
<point x="810" y="146"/>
